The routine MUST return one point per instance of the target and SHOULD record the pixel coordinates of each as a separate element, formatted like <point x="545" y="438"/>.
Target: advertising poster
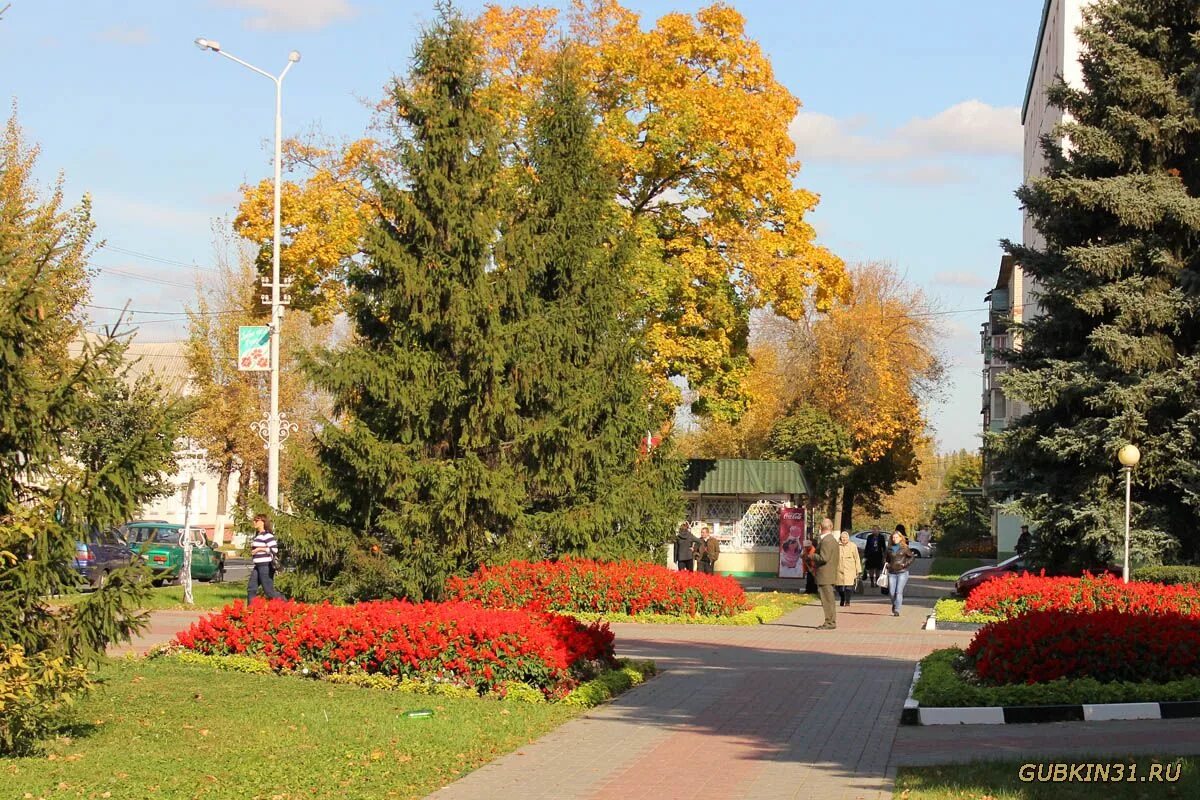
<point x="254" y="348"/>
<point x="791" y="542"/>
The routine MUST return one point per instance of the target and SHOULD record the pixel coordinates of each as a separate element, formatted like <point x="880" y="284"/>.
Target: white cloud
<point x="915" y="152"/>
<point x="961" y="279"/>
<point x="291" y="15"/>
<point x="120" y="34"/>
<point x="968" y="128"/>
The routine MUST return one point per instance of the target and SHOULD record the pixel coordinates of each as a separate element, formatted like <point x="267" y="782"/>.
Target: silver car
<point x="922" y="550"/>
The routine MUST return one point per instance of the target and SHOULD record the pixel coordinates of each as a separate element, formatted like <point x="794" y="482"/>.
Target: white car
<point x="922" y="550"/>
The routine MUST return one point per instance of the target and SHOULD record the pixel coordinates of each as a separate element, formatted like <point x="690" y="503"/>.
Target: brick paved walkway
<point x="771" y="711"/>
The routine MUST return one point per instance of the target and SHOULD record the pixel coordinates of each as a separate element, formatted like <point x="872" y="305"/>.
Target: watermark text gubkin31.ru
<point x="1100" y="772"/>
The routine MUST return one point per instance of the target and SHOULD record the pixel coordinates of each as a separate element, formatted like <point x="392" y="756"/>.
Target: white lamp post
<point x="275" y="423"/>
<point x="1129" y="456"/>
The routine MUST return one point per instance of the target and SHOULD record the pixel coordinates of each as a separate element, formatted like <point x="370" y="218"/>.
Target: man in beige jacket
<point x="826" y="559"/>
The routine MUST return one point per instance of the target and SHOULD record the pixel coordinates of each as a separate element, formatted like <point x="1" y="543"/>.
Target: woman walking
<point x="899" y="557"/>
<point x="263" y="549"/>
<point x="849" y="567"/>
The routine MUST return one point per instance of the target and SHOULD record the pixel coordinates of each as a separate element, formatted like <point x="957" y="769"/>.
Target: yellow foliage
<point x="323" y="220"/>
<point x="696" y="124"/>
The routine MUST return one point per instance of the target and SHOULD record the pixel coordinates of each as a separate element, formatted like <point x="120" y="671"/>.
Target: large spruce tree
<point x="1113" y="357"/>
<point x="583" y="401"/>
<point x="418" y="459"/>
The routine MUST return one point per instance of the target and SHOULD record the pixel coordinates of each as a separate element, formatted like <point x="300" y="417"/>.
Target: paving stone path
<point x="771" y="711"/>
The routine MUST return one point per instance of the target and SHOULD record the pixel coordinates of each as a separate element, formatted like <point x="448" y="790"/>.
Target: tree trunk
<point x="222" y="501"/>
<point x="848" y="510"/>
<point x="836" y="509"/>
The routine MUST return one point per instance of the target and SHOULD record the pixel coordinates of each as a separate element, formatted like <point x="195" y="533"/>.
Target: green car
<point x="157" y="543"/>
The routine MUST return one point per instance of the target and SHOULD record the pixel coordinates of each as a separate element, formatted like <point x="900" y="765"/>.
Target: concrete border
<point x="914" y="714"/>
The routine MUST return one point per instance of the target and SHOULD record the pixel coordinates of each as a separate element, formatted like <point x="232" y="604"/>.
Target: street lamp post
<point x="1129" y="456"/>
<point x="275" y="422"/>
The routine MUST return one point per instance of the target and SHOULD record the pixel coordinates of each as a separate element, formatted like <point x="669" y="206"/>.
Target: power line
<point x="159" y="259"/>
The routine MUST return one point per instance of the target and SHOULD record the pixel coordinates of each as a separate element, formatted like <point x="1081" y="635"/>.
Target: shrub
<point x="620" y="587"/>
<point x="1107" y="645"/>
<point x="1171" y="575"/>
<point x="35" y="691"/>
<point x="946" y="681"/>
<point x="456" y="643"/>
<point x="1016" y="594"/>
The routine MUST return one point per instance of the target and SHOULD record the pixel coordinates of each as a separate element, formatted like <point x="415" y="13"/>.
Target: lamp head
<point x="1129" y="456"/>
<point x="208" y="44"/>
<point x="294" y="56"/>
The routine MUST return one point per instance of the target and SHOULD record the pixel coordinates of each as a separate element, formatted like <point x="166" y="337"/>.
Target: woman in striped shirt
<point x="263" y="549"/>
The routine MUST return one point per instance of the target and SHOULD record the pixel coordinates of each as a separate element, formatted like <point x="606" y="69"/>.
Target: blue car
<point x="100" y="553"/>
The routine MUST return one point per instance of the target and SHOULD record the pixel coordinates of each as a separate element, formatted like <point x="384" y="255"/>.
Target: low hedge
<point x="573" y="586"/>
<point x="459" y="643"/>
<point x="1170" y="576"/>
<point x="946" y="681"/>
<point x="767" y="607"/>
<point x="624" y="675"/>
<point x="951" y="609"/>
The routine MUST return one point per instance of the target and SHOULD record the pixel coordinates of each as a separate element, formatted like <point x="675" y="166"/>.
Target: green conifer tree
<point x="79" y="450"/>
<point x="593" y="487"/>
<point x="1113" y="358"/>
<point x="417" y="459"/>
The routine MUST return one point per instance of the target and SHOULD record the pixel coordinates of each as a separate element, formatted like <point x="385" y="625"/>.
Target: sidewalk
<point x="162" y="629"/>
<point x="770" y="711"/>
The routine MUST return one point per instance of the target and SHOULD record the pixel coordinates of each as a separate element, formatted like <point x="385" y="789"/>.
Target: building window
<point x="999" y="404"/>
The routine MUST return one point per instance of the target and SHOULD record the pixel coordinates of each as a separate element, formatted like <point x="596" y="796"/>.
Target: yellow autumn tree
<point x="870" y="363"/>
<point x="325" y="208"/>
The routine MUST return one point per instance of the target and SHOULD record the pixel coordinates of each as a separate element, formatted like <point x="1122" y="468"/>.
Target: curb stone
<point x="914" y="714"/>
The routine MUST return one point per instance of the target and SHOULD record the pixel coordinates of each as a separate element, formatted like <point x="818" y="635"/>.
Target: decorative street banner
<point x="791" y="542"/>
<point x="254" y="348"/>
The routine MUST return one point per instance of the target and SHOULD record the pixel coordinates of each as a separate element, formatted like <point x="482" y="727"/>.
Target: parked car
<point x="99" y="553"/>
<point x="922" y="550"/>
<point x="1016" y="565"/>
<point x="157" y="543"/>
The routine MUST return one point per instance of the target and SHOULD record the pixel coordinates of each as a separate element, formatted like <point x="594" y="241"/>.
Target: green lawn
<point x="948" y="569"/>
<point x="206" y="595"/>
<point x="167" y="730"/>
<point x="1002" y="781"/>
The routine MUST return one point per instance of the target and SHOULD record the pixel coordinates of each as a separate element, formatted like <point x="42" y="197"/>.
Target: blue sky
<point x="910" y="129"/>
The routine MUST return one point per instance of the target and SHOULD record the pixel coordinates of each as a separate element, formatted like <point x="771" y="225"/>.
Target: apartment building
<point x="1013" y="297"/>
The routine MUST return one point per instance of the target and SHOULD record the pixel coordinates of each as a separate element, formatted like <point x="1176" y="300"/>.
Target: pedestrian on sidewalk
<point x="899" y="558"/>
<point x="685" y="548"/>
<point x="826" y="560"/>
<point x="849" y="567"/>
<point x="708" y="549"/>
<point x="873" y="554"/>
<point x="264" y="550"/>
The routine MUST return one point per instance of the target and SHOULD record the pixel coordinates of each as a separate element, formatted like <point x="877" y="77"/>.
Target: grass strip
<point x="167" y="729"/>
<point x="1153" y="777"/>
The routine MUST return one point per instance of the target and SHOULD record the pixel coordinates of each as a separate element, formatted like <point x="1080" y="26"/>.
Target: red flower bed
<point x="622" y="587"/>
<point x="457" y="642"/>
<point x="1017" y="594"/>
<point x="1106" y="645"/>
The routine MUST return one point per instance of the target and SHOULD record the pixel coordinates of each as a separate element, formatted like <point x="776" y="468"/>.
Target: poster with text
<point x="791" y="542"/>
